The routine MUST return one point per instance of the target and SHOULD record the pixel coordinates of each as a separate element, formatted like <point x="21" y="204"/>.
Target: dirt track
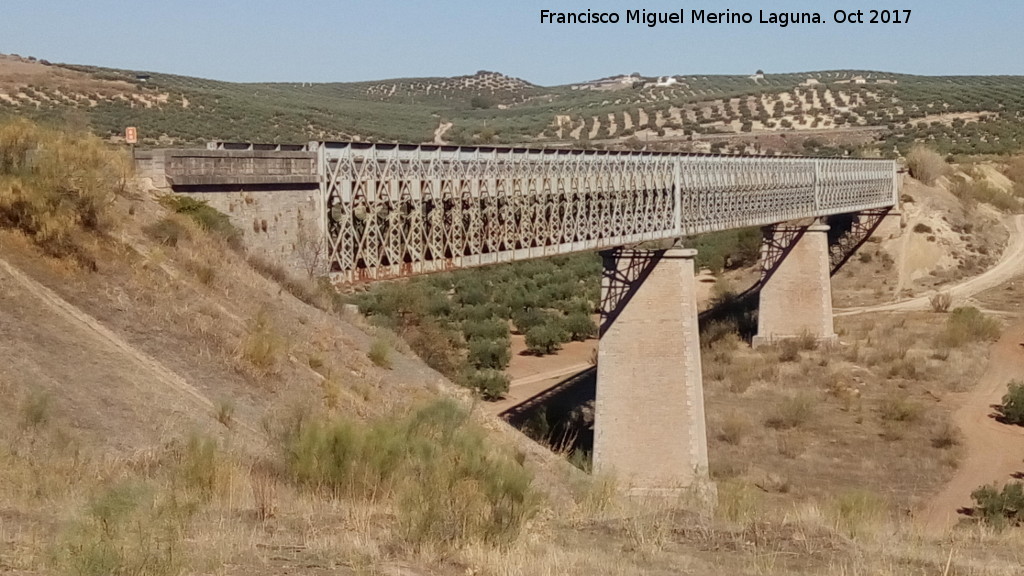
<point x="1010" y="265"/>
<point x="995" y="452"/>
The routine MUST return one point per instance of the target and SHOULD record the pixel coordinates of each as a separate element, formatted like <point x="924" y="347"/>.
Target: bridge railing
<point x="400" y="210"/>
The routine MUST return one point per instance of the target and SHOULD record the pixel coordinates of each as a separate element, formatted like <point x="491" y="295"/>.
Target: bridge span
<point x="377" y="211"/>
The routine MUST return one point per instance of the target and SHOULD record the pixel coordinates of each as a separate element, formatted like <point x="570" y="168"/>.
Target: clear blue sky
<point x="339" y="40"/>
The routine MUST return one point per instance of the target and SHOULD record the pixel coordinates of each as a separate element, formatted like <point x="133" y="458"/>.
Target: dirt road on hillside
<point x="994" y="451"/>
<point x="1011" y="264"/>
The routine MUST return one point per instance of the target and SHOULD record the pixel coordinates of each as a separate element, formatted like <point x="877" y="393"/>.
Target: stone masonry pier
<point x="649" y="426"/>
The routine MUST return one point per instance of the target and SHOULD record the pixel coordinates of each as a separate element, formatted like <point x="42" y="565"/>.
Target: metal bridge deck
<point x="398" y="210"/>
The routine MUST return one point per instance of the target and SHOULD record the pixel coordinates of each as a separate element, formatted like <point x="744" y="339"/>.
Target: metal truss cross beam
<point x="400" y="210"/>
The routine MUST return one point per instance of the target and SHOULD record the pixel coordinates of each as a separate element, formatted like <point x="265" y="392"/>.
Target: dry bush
<point x="806" y="341"/>
<point x="35" y="409"/>
<point x="789" y="350"/>
<point x="946" y="435"/>
<point x="733" y="429"/>
<point x="54" y="185"/>
<point x="941" y="302"/>
<point x="168" y="231"/>
<point x="791" y="413"/>
<point x="595" y="496"/>
<point x="261" y="345"/>
<point x="910" y="368"/>
<point x="926" y="165"/>
<point x="898" y="408"/>
<point x="225" y="413"/>
<point x="380" y="353"/>
<point x="264" y="483"/>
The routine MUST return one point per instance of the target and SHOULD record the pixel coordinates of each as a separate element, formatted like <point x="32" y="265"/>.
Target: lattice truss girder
<point x="402" y="210"/>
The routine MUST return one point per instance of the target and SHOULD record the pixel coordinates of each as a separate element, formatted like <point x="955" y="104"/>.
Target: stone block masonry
<point x="796" y="298"/>
<point x="649" y="428"/>
<point x="272" y="196"/>
<point x="278" y="225"/>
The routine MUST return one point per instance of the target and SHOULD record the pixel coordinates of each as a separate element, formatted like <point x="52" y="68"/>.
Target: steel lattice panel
<point x="395" y="210"/>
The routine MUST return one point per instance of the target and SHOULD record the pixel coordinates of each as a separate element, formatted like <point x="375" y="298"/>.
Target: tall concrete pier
<point x="796" y="298"/>
<point x="649" y="417"/>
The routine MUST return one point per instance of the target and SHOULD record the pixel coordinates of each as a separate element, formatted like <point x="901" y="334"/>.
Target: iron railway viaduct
<point x="363" y="212"/>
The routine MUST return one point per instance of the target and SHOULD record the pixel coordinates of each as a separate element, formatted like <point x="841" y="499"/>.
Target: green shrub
<point x="580" y="326"/>
<point x="491" y="384"/>
<point x="545" y="338"/>
<point x="127" y="529"/>
<point x="450" y="483"/>
<point x="261" y="346"/>
<point x="489" y="329"/>
<point x="1012" y="408"/>
<point x="380" y="353"/>
<point x="524" y="320"/>
<point x="494" y="354"/>
<point x="207" y="217"/>
<point x="966" y="325"/>
<point x="199" y="466"/>
<point x="1000" y="507"/>
<point x="941" y="302"/>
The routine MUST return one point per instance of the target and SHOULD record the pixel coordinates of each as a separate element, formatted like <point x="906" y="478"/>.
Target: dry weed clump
<point x="946" y="435"/>
<point x="926" y="165"/>
<point x="734" y="428"/>
<point x="858" y="513"/>
<point x="261" y="345"/>
<point x="54" y="185"/>
<point x="789" y="350"/>
<point x="793" y="412"/>
<point x="899" y="408"/>
<point x="380" y="353"/>
<point x="941" y="302"/>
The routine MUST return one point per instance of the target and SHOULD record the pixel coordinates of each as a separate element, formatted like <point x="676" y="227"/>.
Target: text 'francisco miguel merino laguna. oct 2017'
<point x="681" y="16"/>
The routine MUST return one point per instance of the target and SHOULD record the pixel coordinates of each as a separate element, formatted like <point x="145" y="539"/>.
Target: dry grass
<point x="793" y="412"/>
<point x="734" y="428"/>
<point x="926" y="165"/>
<point x="261" y="345"/>
<point x="55" y="186"/>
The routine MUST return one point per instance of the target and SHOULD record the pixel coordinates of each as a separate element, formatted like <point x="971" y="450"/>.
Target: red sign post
<point x="131" y="135"/>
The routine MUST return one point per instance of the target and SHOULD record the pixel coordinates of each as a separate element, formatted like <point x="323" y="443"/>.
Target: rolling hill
<point x="815" y="113"/>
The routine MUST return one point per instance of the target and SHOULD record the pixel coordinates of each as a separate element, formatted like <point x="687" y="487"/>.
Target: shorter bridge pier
<point x="796" y="291"/>
<point x="649" y="418"/>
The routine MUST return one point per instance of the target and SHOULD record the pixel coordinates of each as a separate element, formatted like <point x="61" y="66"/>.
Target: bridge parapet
<point x="227" y="167"/>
